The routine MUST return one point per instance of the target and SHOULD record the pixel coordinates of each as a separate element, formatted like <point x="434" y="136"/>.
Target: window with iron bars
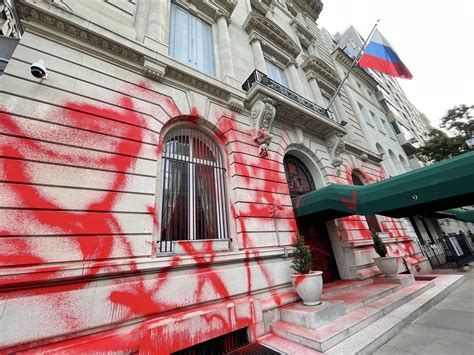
<point x="193" y="189"/>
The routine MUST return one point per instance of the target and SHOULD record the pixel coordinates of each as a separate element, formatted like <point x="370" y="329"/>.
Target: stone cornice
<point x="210" y="8"/>
<point x="303" y="33"/>
<point x="32" y="14"/>
<point x="311" y="8"/>
<point x="196" y="82"/>
<point x="360" y="151"/>
<point x="320" y="70"/>
<point x="266" y="30"/>
<point x="346" y="60"/>
<point x="262" y="5"/>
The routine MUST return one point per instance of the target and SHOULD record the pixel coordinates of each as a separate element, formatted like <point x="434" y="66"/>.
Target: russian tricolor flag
<point x="380" y="56"/>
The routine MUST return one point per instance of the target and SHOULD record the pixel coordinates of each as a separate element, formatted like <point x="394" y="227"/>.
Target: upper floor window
<point x="304" y="48"/>
<point x="276" y="73"/>
<point x="191" y="40"/>
<point x="193" y="189"/>
<point x="331" y="113"/>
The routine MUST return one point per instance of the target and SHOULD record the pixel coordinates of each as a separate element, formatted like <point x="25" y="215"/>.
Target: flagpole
<point x="354" y="62"/>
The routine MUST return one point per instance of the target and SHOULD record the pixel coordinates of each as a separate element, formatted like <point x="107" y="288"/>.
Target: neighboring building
<point x="149" y="181"/>
<point x="396" y="130"/>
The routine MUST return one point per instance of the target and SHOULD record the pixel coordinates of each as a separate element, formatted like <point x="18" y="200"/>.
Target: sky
<point x="434" y="38"/>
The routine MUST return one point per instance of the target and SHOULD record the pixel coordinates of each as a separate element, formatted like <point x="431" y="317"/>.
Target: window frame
<point x="278" y="67"/>
<point x="211" y="51"/>
<point x="221" y="206"/>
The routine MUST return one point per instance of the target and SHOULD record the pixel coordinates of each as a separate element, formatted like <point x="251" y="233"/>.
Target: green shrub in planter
<point x="379" y="245"/>
<point x="302" y="262"/>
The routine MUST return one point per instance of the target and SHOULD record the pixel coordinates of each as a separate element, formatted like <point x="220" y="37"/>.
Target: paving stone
<point x="421" y="339"/>
<point x="448" y="319"/>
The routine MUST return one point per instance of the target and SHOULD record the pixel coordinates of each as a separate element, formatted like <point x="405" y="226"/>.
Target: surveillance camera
<point x="38" y="70"/>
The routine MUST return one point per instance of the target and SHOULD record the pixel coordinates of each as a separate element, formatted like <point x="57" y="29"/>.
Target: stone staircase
<point x="356" y="317"/>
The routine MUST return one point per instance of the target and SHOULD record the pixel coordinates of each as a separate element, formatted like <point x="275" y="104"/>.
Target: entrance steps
<point x="356" y="318"/>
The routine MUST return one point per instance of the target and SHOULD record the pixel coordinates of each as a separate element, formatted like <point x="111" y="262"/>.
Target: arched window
<point x="193" y="189"/>
<point x="404" y="163"/>
<point x="298" y="176"/>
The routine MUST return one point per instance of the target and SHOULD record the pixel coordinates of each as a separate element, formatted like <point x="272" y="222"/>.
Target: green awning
<point x="457" y="213"/>
<point x="440" y="186"/>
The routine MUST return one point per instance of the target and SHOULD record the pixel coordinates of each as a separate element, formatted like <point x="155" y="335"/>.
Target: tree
<point x="459" y="123"/>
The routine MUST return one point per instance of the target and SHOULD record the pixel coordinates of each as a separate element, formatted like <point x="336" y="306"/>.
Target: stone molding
<point x="268" y="32"/>
<point x="263" y="113"/>
<point x="31" y="14"/>
<point x="346" y="60"/>
<point x="320" y="70"/>
<point x="357" y="150"/>
<point x="304" y="34"/>
<point x="236" y="104"/>
<point x="262" y="5"/>
<point x="312" y="8"/>
<point x="197" y="83"/>
<point x="209" y="8"/>
<point x="153" y="69"/>
<point x="336" y="146"/>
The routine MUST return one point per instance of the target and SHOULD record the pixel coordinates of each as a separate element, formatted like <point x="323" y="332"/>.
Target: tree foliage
<point x="459" y="123"/>
<point x="302" y="262"/>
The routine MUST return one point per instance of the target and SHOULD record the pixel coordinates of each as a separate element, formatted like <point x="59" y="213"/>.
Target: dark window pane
<point x="206" y="209"/>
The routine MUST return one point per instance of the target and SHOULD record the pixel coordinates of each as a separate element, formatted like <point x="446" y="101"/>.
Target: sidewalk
<point x="446" y="329"/>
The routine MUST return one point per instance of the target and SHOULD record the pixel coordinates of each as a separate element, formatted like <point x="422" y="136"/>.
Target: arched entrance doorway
<point x="314" y="230"/>
<point x="371" y="219"/>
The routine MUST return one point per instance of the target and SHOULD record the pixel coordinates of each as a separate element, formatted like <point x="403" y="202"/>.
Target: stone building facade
<point x="404" y="128"/>
<point x="148" y="180"/>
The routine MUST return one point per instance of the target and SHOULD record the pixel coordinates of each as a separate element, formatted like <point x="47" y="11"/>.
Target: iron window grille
<point x="193" y="189"/>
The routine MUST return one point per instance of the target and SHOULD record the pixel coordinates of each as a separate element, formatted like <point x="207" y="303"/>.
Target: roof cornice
<point x="312" y="8"/>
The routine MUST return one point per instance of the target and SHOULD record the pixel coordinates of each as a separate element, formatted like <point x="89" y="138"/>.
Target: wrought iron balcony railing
<point x="259" y="77"/>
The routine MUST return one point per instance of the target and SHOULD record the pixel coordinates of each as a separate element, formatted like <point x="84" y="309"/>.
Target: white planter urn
<point x="388" y="265"/>
<point x="309" y="287"/>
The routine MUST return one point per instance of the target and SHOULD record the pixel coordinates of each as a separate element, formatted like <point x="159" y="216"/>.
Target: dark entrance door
<point x="317" y="237"/>
<point x="315" y="231"/>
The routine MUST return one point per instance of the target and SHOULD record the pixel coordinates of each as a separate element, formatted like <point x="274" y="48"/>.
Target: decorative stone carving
<point x="30" y="14"/>
<point x="197" y="83"/>
<point x="262" y="114"/>
<point x="311" y="8"/>
<point x="235" y="104"/>
<point x="336" y="146"/>
<point x="364" y="157"/>
<point x="271" y="35"/>
<point x="262" y="5"/>
<point x="322" y="71"/>
<point x="304" y="34"/>
<point x="154" y="70"/>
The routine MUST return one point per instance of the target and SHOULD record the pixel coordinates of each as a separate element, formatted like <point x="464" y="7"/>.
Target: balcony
<point x="291" y="107"/>
<point x="409" y="145"/>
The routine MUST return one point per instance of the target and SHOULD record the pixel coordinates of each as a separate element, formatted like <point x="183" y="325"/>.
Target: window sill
<point x="188" y="247"/>
<point x="36" y="276"/>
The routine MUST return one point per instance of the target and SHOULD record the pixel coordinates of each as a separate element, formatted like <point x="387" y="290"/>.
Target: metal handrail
<point x="259" y="77"/>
